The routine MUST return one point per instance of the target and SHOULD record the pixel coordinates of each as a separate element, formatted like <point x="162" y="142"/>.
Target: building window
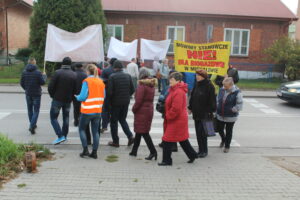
<point x="116" y="31"/>
<point x="239" y="39"/>
<point x="209" y="34"/>
<point x="175" y="33"/>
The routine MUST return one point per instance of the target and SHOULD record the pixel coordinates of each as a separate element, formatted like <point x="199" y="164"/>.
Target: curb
<point x="245" y="96"/>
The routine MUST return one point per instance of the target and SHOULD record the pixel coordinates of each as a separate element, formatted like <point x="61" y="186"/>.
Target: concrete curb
<point x="245" y="96"/>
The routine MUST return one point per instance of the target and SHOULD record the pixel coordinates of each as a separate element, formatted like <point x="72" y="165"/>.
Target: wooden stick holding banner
<point x="44" y="67"/>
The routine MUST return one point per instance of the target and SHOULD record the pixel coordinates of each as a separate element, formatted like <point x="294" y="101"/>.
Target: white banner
<point x="84" y="46"/>
<point x="123" y="51"/>
<point x="151" y="49"/>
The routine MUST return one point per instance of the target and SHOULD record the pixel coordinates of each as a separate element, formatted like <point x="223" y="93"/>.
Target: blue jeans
<point x="54" y="113"/>
<point x="33" y="107"/>
<point x="164" y="84"/>
<point x="83" y="123"/>
<point x="119" y="114"/>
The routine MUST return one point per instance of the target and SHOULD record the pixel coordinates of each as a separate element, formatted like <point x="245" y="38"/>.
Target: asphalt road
<point x="264" y="122"/>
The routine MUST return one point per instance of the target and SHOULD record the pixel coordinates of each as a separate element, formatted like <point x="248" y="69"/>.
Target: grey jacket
<point x="236" y="109"/>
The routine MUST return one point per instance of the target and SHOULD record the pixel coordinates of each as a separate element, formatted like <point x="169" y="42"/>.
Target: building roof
<point x="28" y="2"/>
<point x="247" y="8"/>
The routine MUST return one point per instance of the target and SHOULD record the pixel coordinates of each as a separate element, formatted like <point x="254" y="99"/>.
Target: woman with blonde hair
<point x="92" y="97"/>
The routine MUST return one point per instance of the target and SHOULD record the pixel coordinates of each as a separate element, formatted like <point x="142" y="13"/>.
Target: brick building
<point x="17" y="15"/>
<point x="251" y="25"/>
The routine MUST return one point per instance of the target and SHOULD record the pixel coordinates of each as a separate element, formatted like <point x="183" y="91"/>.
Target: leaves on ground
<point x="112" y="158"/>
<point x="21" y="185"/>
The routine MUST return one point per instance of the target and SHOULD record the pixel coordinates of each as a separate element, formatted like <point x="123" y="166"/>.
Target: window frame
<point x="241" y="37"/>
<point x="114" y="28"/>
<point x="175" y="35"/>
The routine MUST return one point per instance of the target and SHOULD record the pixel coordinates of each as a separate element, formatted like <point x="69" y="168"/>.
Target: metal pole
<point x="6" y="24"/>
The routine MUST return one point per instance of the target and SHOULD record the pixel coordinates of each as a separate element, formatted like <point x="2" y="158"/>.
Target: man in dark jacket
<point x="62" y="89"/>
<point x="31" y="82"/>
<point x="80" y="76"/>
<point x="120" y="88"/>
<point x="107" y="72"/>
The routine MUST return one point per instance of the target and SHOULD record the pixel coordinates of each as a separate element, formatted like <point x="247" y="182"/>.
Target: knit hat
<point x="202" y="72"/>
<point x="112" y="60"/>
<point x="117" y="65"/>
<point x="67" y="61"/>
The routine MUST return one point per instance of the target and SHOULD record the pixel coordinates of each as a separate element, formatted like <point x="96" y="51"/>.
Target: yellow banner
<point x="212" y="57"/>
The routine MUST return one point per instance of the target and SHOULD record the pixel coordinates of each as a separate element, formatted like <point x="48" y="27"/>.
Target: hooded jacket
<point x="32" y="80"/>
<point x="176" y="116"/>
<point x="62" y="86"/>
<point x="143" y="106"/>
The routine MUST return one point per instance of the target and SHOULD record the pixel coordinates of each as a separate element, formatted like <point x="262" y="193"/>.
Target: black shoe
<point x="164" y="164"/>
<point x="161" y="145"/>
<point x="85" y="152"/>
<point x="151" y="156"/>
<point x="32" y="131"/>
<point x="76" y="123"/>
<point x="132" y="153"/>
<point x="112" y="144"/>
<point x="103" y="130"/>
<point x="191" y="160"/>
<point x="222" y="144"/>
<point x="130" y="141"/>
<point x="202" y="155"/>
<point x="93" y="154"/>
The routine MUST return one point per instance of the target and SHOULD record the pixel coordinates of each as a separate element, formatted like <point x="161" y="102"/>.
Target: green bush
<point x="24" y="54"/>
<point x="9" y="151"/>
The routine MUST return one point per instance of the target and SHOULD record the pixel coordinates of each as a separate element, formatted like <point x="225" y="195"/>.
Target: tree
<point x="70" y="15"/>
<point x="285" y="52"/>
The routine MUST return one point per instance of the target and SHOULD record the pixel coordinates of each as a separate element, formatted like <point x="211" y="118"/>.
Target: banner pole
<point x="45" y="66"/>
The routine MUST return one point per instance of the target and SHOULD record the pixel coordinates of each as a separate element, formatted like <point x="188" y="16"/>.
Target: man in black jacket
<point x="106" y="73"/>
<point x="62" y="89"/>
<point x="31" y="82"/>
<point x="120" y="88"/>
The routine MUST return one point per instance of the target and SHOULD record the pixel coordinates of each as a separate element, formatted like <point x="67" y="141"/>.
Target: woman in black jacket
<point x="202" y="105"/>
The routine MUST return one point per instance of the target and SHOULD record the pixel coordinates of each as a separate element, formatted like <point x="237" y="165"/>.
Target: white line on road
<point x="4" y="114"/>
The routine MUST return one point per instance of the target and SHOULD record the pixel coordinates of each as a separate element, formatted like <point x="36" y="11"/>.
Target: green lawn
<point x="11" y="72"/>
<point x="259" y="84"/>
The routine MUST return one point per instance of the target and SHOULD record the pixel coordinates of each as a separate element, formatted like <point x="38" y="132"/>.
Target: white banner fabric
<point x="84" y="46"/>
<point x="123" y="51"/>
<point x="151" y="49"/>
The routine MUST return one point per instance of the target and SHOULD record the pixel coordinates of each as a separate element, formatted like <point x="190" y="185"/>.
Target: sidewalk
<point x="16" y="89"/>
<point x="238" y="175"/>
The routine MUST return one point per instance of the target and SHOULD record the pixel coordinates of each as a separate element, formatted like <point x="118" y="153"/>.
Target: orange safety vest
<point x="95" y="99"/>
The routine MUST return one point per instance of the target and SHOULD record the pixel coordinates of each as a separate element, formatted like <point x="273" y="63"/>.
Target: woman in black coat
<point x="202" y="105"/>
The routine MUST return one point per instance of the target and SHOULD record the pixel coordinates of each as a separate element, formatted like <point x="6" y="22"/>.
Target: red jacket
<point x="176" y="118"/>
<point x="143" y="106"/>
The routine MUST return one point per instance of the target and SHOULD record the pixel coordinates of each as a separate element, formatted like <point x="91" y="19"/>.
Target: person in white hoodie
<point x="133" y="70"/>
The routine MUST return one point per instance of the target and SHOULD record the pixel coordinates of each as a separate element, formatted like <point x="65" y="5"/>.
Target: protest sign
<point x="212" y="57"/>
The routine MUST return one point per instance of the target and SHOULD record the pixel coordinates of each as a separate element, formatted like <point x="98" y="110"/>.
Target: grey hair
<point x="144" y="73"/>
<point x="228" y="80"/>
<point x="164" y="60"/>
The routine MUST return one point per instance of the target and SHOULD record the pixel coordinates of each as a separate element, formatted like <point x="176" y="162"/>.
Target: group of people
<point x="102" y="96"/>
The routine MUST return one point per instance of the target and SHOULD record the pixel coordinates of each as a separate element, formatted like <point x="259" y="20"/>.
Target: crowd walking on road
<point x="101" y="96"/>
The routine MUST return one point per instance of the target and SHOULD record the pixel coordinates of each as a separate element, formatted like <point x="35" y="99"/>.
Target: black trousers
<point x="119" y="114"/>
<point x="201" y="137"/>
<point x="76" y="112"/>
<point x="148" y="140"/>
<point x="226" y="138"/>
<point x="185" y="145"/>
